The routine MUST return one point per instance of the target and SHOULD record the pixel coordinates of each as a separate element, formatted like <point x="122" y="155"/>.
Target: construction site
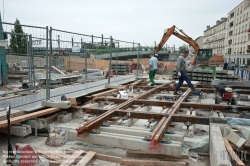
<point x="74" y="99"/>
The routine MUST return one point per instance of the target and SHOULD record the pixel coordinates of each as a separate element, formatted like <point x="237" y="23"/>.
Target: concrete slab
<point x="122" y="141"/>
<point x="218" y="153"/>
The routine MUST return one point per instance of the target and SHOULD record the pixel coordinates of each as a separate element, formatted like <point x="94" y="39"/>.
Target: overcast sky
<point x="141" y="21"/>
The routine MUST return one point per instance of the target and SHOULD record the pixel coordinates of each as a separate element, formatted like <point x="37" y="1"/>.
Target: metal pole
<point x="58" y="42"/>
<point x="92" y="42"/>
<point x="110" y="59"/>
<point x="47" y="64"/>
<point x="72" y="42"/>
<point x="32" y="63"/>
<point x="50" y="56"/>
<point x="133" y="44"/>
<point x="102" y="41"/>
<point x="28" y="60"/>
<point x="85" y="60"/>
<point x="137" y="66"/>
<point x="116" y="64"/>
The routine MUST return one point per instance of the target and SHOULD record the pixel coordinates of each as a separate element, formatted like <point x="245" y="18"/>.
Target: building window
<point x="243" y="61"/>
<point x="231" y="15"/>
<point x="230" y="42"/>
<point x="229" y="51"/>
<point x="231" y="24"/>
<point x="248" y="61"/>
<point x="230" y="33"/>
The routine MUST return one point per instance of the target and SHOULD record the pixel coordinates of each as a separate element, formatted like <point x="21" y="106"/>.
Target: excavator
<point x="202" y="57"/>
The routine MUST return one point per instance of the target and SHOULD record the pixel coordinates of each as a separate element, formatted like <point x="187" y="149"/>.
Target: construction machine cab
<point x="204" y="55"/>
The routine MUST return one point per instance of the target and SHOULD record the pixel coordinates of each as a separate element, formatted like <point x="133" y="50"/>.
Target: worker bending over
<point x="181" y="72"/>
<point x="153" y="61"/>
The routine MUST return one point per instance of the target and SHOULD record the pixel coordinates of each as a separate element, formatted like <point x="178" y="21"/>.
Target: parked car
<point x="243" y="66"/>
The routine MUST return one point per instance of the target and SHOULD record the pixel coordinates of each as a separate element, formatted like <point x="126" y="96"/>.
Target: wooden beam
<point x="87" y="160"/>
<point x="139" y="114"/>
<point x="138" y="154"/>
<point x="190" y="118"/>
<point x="232" y="153"/>
<point x="52" y="118"/>
<point x="113" y="159"/>
<point x="29" y="116"/>
<point x="153" y="102"/>
<point x="159" y="130"/>
<point x="72" y="158"/>
<point x="58" y="70"/>
<point x="209" y="107"/>
<point x="94" y="123"/>
<point x="132" y="162"/>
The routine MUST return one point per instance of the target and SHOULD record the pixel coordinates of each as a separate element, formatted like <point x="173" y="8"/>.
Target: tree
<point x="18" y="43"/>
<point x="182" y="48"/>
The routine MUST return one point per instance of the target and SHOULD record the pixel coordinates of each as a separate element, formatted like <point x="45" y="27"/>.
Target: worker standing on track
<point x="181" y="72"/>
<point x="153" y="61"/>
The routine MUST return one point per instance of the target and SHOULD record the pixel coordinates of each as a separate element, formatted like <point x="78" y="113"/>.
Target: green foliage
<point x="182" y="48"/>
<point x="18" y="43"/>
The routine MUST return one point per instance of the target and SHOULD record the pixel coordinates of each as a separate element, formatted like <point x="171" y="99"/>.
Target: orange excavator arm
<point x="184" y="37"/>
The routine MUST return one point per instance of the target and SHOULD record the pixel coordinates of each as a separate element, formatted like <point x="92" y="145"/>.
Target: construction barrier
<point x="242" y="73"/>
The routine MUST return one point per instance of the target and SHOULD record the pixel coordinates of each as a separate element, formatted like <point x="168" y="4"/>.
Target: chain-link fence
<point x="25" y="54"/>
<point x="56" y="62"/>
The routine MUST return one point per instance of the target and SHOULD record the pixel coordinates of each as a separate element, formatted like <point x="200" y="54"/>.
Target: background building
<point x="238" y="34"/>
<point x="199" y="41"/>
<point x="214" y="37"/>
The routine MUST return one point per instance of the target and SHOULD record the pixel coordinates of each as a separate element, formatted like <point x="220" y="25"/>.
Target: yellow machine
<point x="201" y="56"/>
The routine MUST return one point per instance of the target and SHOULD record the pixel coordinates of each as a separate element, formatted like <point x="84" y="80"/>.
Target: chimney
<point x="223" y="19"/>
<point x="208" y="26"/>
<point x="217" y="22"/>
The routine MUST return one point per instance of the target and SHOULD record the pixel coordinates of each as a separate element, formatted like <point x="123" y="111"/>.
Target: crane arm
<point x="184" y="37"/>
<point x="165" y="38"/>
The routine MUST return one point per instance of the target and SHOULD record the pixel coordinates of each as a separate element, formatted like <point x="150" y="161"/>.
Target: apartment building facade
<point x="214" y="37"/>
<point x="238" y="34"/>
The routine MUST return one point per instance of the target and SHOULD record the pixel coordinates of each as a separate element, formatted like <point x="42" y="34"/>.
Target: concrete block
<point x="189" y="113"/>
<point x="58" y="137"/>
<point x="20" y="131"/>
<point x="56" y="104"/>
<point x="236" y="139"/>
<point x="92" y="105"/>
<point x="218" y="153"/>
<point x="127" y="142"/>
<point x="41" y="123"/>
<point x="188" y="132"/>
<point x="178" y="136"/>
<point x="246" y="133"/>
<point x="227" y="131"/>
<point x="165" y="110"/>
<point x="128" y="122"/>
<point x="113" y="86"/>
<point x="153" y="125"/>
<point x="64" y="118"/>
<point x="243" y="97"/>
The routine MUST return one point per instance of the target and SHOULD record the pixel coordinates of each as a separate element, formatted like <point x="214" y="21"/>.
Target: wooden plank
<point x="52" y="118"/>
<point x="29" y="116"/>
<point x="87" y="160"/>
<point x="50" y="153"/>
<point x="58" y="70"/>
<point x="113" y="159"/>
<point x="72" y="158"/>
<point x="138" y="154"/>
<point x="208" y="107"/>
<point x="232" y="153"/>
<point x="132" y="162"/>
